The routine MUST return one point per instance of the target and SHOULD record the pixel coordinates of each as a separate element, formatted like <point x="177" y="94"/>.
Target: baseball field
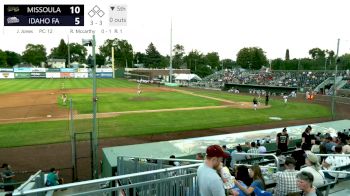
<point x="32" y="111"/>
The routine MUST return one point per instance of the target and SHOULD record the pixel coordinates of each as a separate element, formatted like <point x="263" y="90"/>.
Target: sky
<point x="223" y="26"/>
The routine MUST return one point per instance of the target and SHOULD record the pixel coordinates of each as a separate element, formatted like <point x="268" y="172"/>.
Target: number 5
<point x="77" y="21"/>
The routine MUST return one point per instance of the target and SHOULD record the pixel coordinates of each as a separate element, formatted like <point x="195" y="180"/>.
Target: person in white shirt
<point x="261" y="148"/>
<point x="285" y="99"/>
<point x="313" y="167"/>
<point x="331" y="162"/>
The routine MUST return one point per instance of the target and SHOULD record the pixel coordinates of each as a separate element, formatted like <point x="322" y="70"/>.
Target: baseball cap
<point x="313" y="158"/>
<point x="216" y="151"/>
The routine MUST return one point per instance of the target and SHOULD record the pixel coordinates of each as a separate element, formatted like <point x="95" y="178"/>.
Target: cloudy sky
<point x="223" y="26"/>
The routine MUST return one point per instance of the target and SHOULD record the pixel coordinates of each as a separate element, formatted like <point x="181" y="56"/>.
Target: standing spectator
<point x="313" y="167"/>
<point x="226" y="161"/>
<point x="307" y="138"/>
<point x="209" y="181"/>
<point x="304" y="182"/>
<point x="286" y="181"/>
<point x="299" y="155"/>
<point x="282" y="140"/>
<point x="173" y="163"/>
<point x="7" y="176"/>
<point x="332" y="162"/>
<point x="267" y="99"/>
<point x="258" y="181"/>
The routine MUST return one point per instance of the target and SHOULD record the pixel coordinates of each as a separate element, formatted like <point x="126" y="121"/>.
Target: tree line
<point x="199" y="63"/>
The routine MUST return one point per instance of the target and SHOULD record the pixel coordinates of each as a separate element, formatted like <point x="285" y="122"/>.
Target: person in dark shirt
<point x="299" y="155"/>
<point x="307" y="138"/>
<point x="267" y="99"/>
<point x="282" y="140"/>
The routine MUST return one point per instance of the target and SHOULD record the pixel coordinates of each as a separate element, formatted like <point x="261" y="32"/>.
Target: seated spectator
<point x="280" y="156"/>
<point x="199" y="156"/>
<point x="242" y="175"/>
<point x="346" y="147"/>
<point x="299" y="155"/>
<point x="7" y="176"/>
<point x="286" y="181"/>
<point x="329" y="145"/>
<point x="173" y="163"/>
<point x="227" y="161"/>
<point x="258" y="181"/>
<point x="316" y="147"/>
<point x="313" y="167"/>
<point x="304" y="183"/>
<point x="253" y="150"/>
<point x="237" y="157"/>
<point x="226" y="177"/>
<point x="332" y="162"/>
<point x="261" y="148"/>
<point x="53" y="179"/>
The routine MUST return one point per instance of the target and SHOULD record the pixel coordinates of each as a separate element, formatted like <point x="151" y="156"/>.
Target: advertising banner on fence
<point x="38" y="69"/>
<point x="53" y="70"/>
<point x="67" y="70"/>
<point x="53" y="74"/>
<point x="103" y="70"/>
<point x="22" y="75"/>
<point x="81" y="75"/>
<point x="67" y="75"/>
<point x="6" y="70"/>
<point x="83" y="70"/>
<point x="38" y="75"/>
<point x="7" y="75"/>
<point x="22" y="69"/>
<point x="104" y="75"/>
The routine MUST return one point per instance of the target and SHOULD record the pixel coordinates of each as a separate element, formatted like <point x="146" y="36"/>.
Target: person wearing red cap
<point x="209" y="181"/>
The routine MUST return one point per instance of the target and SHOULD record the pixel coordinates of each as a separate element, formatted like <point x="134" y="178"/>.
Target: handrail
<point x="273" y="155"/>
<point x="165" y="159"/>
<point x="337" y="155"/>
<point x="29" y="180"/>
<point x="101" y="180"/>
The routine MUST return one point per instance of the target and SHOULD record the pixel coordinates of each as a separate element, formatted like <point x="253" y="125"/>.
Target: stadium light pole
<point x="335" y="80"/>
<point x="92" y="43"/>
<point x="112" y="48"/>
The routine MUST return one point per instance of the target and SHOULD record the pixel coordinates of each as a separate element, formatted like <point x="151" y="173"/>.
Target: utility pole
<point x="171" y="53"/>
<point x="335" y="81"/>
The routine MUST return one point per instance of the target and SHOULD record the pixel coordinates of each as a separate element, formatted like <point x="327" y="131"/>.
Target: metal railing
<point x="168" y="181"/>
<point x="277" y="163"/>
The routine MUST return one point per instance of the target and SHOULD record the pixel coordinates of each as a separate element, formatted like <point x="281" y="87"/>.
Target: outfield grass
<point x="21" y="85"/>
<point x="117" y="102"/>
<point x="21" y="134"/>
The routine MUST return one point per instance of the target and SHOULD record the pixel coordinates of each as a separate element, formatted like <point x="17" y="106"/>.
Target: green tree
<point x="153" y="57"/>
<point x="13" y="58"/>
<point x="60" y="52"/>
<point x="198" y="63"/>
<point x="228" y="63"/>
<point x="140" y="58"/>
<point x="251" y="58"/>
<point x="213" y="60"/>
<point x="77" y="52"/>
<point x="123" y="51"/>
<point x="287" y="55"/>
<point x="34" y="54"/>
<point x="3" y="59"/>
<point x="317" y="53"/>
<point x="100" y="60"/>
<point x="179" y="52"/>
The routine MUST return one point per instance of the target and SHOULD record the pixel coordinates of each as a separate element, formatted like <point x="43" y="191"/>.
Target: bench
<point x="326" y="187"/>
<point x="342" y="168"/>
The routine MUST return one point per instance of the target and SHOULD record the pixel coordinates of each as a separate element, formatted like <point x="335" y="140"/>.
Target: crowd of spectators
<point x="303" y="170"/>
<point x="306" y="79"/>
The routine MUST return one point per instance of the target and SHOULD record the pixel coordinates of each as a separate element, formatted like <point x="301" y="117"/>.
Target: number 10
<point x="75" y="10"/>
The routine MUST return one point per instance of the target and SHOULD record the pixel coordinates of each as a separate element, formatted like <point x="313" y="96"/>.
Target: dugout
<point x="271" y="89"/>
